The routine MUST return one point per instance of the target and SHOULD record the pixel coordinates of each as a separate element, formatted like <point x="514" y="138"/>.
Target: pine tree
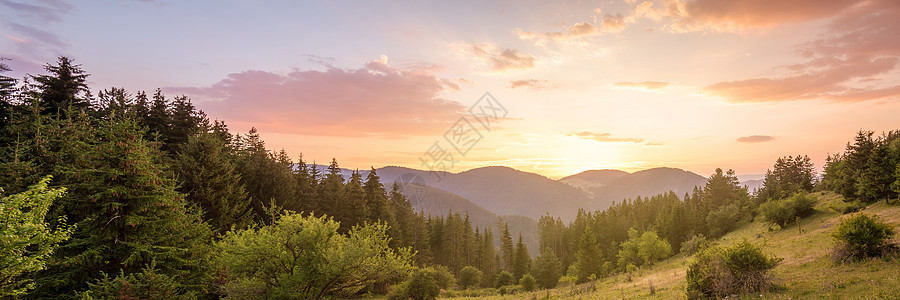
<point x="127" y="214"/>
<point x="306" y="182"/>
<point x="184" y="122"/>
<point x="64" y="90"/>
<point x="406" y="219"/>
<point x="547" y="269"/>
<point x="332" y="192"/>
<point x="522" y="262"/>
<point x="507" y="249"/>
<point x="263" y="177"/>
<point x="354" y="204"/>
<point x="588" y="258"/>
<point x="209" y="179"/>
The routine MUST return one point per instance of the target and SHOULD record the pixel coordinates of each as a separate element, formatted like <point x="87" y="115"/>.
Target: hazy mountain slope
<point x="592" y="178"/>
<point x="437" y="202"/>
<point x="502" y="190"/>
<point x="646" y="183"/>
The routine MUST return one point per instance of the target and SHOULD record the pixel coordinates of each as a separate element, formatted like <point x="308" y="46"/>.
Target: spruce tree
<point x="547" y="269"/>
<point x="64" y="90"/>
<point x="209" y="180"/>
<point x="522" y="262"/>
<point x="354" y="205"/>
<point x="332" y="192"/>
<point x="588" y="258"/>
<point x="127" y="215"/>
<point x="507" y="249"/>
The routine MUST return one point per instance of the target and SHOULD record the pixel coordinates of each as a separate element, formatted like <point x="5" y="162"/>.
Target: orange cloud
<point x="376" y="100"/>
<point x="740" y="15"/>
<point x="853" y="61"/>
<point x="503" y="59"/>
<point x="605" y="137"/>
<point x="755" y="139"/>
<point x="613" y="23"/>
<point x="650" y="85"/>
<point x="529" y="83"/>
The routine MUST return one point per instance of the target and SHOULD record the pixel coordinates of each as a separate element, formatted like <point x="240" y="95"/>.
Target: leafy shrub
<point x="546" y="269"/>
<point x="423" y="283"/>
<point x="527" y="282"/>
<point x="148" y="284"/>
<point x="697" y="243"/>
<point x="510" y="289"/>
<point x="719" y="272"/>
<point x="860" y="236"/>
<point x="785" y="211"/>
<point x="503" y="278"/>
<point x="469" y="277"/>
<point x="567" y="281"/>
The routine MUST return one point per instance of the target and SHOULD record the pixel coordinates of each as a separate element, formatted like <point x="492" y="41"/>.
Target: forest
<point x="119" y="194"/>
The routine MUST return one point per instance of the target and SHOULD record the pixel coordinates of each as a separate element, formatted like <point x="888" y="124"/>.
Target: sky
<point x="550" y="87"/>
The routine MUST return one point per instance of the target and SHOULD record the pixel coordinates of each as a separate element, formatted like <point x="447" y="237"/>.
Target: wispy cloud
<point x="755" y="139"/>
<point x="605" y="137"/>
<point x="376" y="100"/>
<point x="533" y="84"/>
<point x="648" y="85"/>
<point x="743" y="15"/>
<point x="502" y="59"/>
<point x="852" y="62"/>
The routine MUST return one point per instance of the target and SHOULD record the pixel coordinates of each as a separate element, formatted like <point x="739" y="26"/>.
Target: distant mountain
<point x="592" y="178"/>
<point x="645" y="183"/>
<point x="501" y="190"/>
<point x="437" y="202"/>
<point x="753" y="185"/>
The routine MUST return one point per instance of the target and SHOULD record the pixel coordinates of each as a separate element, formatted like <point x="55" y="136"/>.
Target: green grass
<point x="807" y="271"/>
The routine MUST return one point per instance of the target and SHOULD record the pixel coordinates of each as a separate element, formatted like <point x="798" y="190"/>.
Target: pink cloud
<point x="376" y="100"/>
<point x="853" y="61"/>
<point x="755" y="139"/>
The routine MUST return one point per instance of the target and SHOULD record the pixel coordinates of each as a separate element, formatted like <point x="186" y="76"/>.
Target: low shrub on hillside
<point x="718" y="272"/>
<point x="425" y="283"/>
<point x="861" y="236"/>
<point x="785" y="211"/>
<point x="527" y="282"/>
<point x="469" y="277"/>
<point x="697" y="243"/>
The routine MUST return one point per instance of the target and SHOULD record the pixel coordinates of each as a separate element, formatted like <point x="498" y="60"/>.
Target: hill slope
<point x="503" y="190"/>
<point x="646" y="183"/>
<point x="592" y="178"/>
<point x="806" y="272"/>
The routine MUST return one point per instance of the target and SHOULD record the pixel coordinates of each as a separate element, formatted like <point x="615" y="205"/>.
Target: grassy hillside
<point x="806" y="272"/>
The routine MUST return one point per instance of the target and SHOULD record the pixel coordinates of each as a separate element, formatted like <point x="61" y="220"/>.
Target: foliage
<point x="148" y="284"/>
<point x="527" y="282"/>
<point x="503" y="278"/>
<point x="27" y="240"/>
<point x="786" y="211"/>
<point x="546" y="269"/>
<point x="643" y="249"/>
<point x="867" y="170"/>
<point x="789" y="176"/>
<point x="588" y="260"/>
<point x="469" y="277"/>
<point x="306" y="257"/>
<point x="424" y="283"/>
<point x="719" y="272"/>
<point x="696" y="244"/>
<point x="521" y="262"/>
<point x="860" y="236"/>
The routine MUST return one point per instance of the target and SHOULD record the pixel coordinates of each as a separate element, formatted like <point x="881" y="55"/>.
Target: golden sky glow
<point x="630" y="85"/>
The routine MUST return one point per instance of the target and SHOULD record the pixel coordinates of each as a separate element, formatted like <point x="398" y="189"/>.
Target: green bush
<point x="148" y="284"/>
<point x="719" y="272"/>
<point x="423" y="283"/>
<point x="469" y="277"/>
<point x="527" y="282"/>
<point x="860" y="236"/>
<point x="503" y="278"/>
<point x="697" y="243"/>
<point x="785" y="211"/>
<point x="567" y="281"/>
<point x="510" y="289"/>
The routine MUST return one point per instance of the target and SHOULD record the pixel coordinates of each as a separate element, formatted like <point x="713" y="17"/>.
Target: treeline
<point x="154" y="189"/>
<point x="638" y="232"/>
<point x="868" y="170"/>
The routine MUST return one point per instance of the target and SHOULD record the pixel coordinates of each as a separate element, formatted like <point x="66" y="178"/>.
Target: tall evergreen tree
<point x="521" y="262"/>
<point x="507" y="249"/>
<point x="64" y="90"/>
<point x="588" y="260"/>
<point x="353" y="206"/>
<point x="209" y="179"/>
<point x="127" y="215"/>
<point x="332" y="194"/>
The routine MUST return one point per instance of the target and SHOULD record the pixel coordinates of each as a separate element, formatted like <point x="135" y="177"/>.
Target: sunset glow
<point x="629" y="85"/>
